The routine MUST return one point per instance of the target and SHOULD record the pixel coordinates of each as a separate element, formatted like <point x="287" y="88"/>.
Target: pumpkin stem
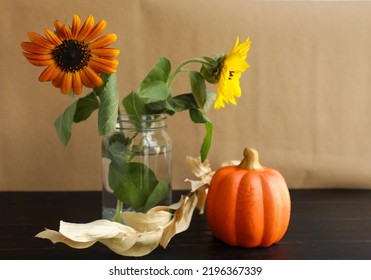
<point x="250" y="160"/>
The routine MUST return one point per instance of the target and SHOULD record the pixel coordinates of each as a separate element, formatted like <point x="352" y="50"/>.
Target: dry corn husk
<point x="142" y="232"/>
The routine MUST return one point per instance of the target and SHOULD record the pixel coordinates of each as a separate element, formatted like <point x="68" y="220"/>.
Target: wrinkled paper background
<point x="305" y="105"/>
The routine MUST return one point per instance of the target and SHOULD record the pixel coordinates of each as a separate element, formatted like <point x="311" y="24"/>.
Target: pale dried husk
<point x="142" y="232"/>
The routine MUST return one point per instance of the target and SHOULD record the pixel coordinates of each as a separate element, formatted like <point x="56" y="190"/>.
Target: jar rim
<point x="145" y="121"/>
<point x="142" y="117"/>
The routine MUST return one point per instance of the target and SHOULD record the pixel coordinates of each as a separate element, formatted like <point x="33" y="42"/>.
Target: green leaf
<point x="115" y="150"/>
<point x="164" y="64"/>
<point x="108" y="108"/>
<point x="197" y="116"/>
<point x="85" y="107"/>
<point x="132" y="184"/>
<point x="154" y="91"/>
<point x="160" y="72"/>
<point x="134" y="105"/>
<point x="198" y="88"/>
<point x="172" y="105"/>
<point x="184" y="102"/>
<point x="207" y="141"/>
<point x="161" y="107"/>
<point x="210" y="100"/>
<point x="154" y="86"/>
<point x="159" y="193"/>
<point x="135" y="108"/>
<point x="125" y="189"/>
<point x="63" y="124"/>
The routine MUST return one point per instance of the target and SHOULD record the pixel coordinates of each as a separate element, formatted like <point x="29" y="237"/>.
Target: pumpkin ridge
<point x="284" y="207"/>
<point x="212" y="201"/>
<point x="226" y="215"/>
<point x="268" y="201"/>
<point x="272" y="193"/>
<point x="250" y="228"/>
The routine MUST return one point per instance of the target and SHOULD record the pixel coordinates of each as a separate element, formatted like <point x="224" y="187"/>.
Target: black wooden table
<point x="325" y="225"/>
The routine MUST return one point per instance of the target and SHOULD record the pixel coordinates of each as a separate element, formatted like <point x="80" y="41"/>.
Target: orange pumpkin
<point x="248" y="205"/>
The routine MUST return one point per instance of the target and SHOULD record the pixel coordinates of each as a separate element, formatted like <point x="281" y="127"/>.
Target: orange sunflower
<point x="73" y="56"/>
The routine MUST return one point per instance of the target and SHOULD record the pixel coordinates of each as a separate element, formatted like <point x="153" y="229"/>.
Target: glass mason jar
<point x="136" y="162"/>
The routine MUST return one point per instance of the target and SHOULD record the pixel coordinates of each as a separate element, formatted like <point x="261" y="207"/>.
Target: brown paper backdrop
<point x="305" y="105"/>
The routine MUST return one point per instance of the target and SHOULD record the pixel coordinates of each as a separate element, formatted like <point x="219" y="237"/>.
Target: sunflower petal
<point x="106" y="52"/>
<point x="236" y="44"/>
<point x="46" y="74"/>
<point x="242" y="49"/>
<point x="66" y="83"/>
<point x="52" y="37"/>
<point x="37" y="56"/>
<point x="93" y="77"/>
<point x="76" y="22"/>
<point x="96" y="31"/>
<point x="59" y="29"/>
<point x="40" y="40"/>
<point x="77" y="83"/>
<point x="85" y="79"/>
<point x="103" y="41"/>
<point x="219" y="103"/>
<point x="237" y="63"/>
<point x="50" y="73"/>
<point x="108" y="62"/>
<point x="34" y="48"/>
<point x="58" y="80"/>
<point x="101" y="68"/>
<point x="40" y="62"/>
<point x="67" y="32"/>
<point x="86" y="28"/>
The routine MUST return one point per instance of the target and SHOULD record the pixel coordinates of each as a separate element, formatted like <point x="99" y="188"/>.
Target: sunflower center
<point x="71" y="55"/>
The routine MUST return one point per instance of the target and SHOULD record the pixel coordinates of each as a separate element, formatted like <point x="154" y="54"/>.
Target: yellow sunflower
<point x="73" y="56"/>
<point x="229" y="81"/>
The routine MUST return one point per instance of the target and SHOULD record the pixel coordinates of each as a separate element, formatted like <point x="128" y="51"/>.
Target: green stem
<point x="179" y="69"/>
<point x="117" y="217"/>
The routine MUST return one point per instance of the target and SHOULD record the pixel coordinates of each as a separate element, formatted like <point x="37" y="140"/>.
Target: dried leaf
<point x="99" y="229"/>
<point x="170" y="207"/>
<point x="142" y="232"/>
<point x="56" y="237"/>
<point x="202" y="194"/>
<point x="145" y="222"/>
<point x="231" y="162"/>
<point x="201" y="170"/>
<point x="184" y="214"/>
<point x="121" y="245"/>
<point x="198" y="168"/>
<point x="145" y="244"/>
<point x="181" y="220"/>
<point x="195" y="184"/>
<point x="134" y="245"/>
